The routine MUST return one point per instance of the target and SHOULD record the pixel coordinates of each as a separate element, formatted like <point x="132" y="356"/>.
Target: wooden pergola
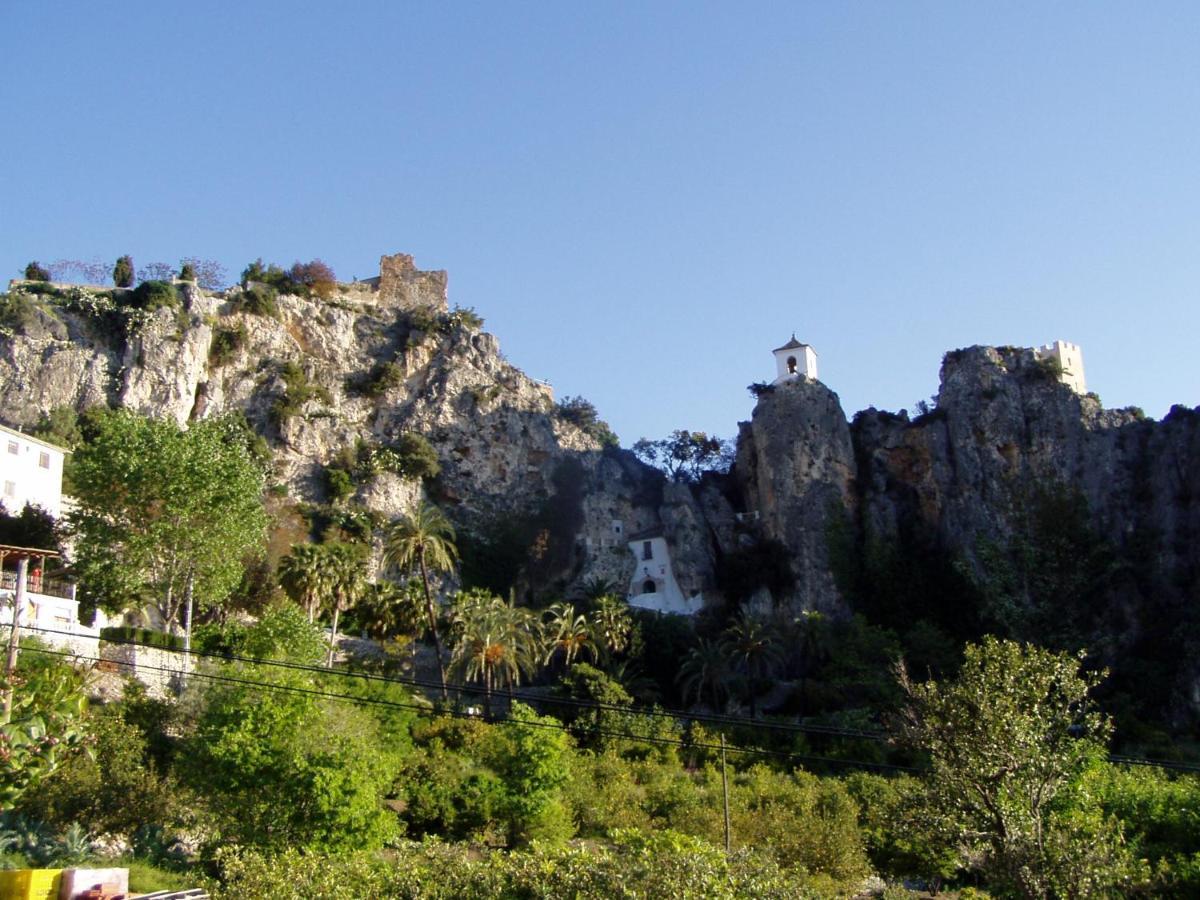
<point x="22" y="555"/>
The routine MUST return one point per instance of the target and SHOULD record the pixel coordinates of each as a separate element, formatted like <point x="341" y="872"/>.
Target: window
<point x="44" y="459"/>
<point x="791" y="364"/>
<point x="647" y="550"/>
<point x="14" y="448"/>
<point x="10" y="489"/>
<point x="648" y="587"/>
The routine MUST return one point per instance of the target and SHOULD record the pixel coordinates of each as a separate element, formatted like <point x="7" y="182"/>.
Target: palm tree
<point x="304" y="575"/>
<point x="569" y="634"/>
<point x="346" y="584"/>
<point x="424" y="540"/>
<point x="496" y="642"/>
<point x="388" y="608"/>
<point x="612" y="624"/>
<point x="814" y="647"/>
<point x="748" y="642"/>
<point x="705" y="671"/>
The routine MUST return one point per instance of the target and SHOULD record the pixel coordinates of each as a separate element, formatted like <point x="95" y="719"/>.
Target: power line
<point x="657" y="712"/>
<point x="462" y="714"/>
<point x="585" y="705"/>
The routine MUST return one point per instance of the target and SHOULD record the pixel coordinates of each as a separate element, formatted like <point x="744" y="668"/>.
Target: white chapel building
<point x="794" y="360"/>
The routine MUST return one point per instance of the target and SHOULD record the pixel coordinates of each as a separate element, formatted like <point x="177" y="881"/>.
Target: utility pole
<point x="725" y="792"/>
<point x="14" y="638"/>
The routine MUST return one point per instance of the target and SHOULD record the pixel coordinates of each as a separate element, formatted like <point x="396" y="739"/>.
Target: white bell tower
<point x="793" y="360"/>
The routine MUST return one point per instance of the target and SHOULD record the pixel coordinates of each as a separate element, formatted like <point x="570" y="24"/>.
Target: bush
<point x="17" y="311"/>
<point x="338" y="484"/>
<point x="582" y="414"/>
<point x="315" y="277"/>
<point x="111" y="789"/>
<point x="226" y="342"/>
<point x="127" y="634"/>
<point x="297" y="390"/>
<point x="259" y="300"/>
<point x="187" y="271"/>
<point x="35" y="272"/>
<point x="153" y="295"/>
<point x="123" y="272"/>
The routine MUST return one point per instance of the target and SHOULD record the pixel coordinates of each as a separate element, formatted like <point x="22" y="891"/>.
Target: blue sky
<point x="643" y="199"/>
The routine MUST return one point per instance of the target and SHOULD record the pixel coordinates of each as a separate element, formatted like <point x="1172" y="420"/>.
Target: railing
<point x="49" y="587"/>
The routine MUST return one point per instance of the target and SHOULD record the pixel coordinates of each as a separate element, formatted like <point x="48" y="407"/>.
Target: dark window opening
<point x="649" y="587"/>
<point x="791" y="365"/>
<point x="647" y="550"/>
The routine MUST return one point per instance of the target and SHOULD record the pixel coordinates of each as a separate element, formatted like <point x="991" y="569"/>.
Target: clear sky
<point x="643" y="199"/>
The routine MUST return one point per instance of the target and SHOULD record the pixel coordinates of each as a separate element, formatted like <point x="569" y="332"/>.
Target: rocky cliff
<point x="326" y="378"/>
<point x="1014" y="506"/>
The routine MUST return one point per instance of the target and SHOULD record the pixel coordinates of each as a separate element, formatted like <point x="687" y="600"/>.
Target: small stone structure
<point x="794" y="360"/>
<point x="401" y="283"/>
<point x="653" y="585"/>
<point x="1070" y="360"/>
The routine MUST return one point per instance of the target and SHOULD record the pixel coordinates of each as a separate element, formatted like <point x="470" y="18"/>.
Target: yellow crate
<point x="30" y="884"/>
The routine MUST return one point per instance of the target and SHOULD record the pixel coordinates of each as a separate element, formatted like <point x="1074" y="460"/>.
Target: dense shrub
<point x="36" y="272"/>
<point x="306" y="279"/>
<point x="297" y="390"/>
<point x="630" y="864"/>
<point x="128" y="634"/>
<point x="123" y="272"/>
<point x="152" y="295"/>
<point x="17" y="311"/>
<point x="338" y="484"/>
<point x="187" y="271"/>
<point x="315" y="277"/>
<point x="226" y="342"/>
<point x="113" y="788"/>
<point x="259" y="300"/>
<point x="582" y="414"/>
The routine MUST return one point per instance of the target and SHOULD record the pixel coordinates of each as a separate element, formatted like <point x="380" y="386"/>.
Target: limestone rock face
<point x="375" y="363"/>
<point x="795" y="468"/>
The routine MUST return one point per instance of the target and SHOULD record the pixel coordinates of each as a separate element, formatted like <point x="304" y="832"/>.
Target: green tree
<point x="568" y="635"/>
<point x="612" y="625"/>
<point x="347" y="583"/>
<point x="280" y="768"/>
<point x="750" y="645"/>
<point x="704" y="674"/>
<point x="123" y="272"/>
<point x="1005" y="737"/>
<point x="496" y="643"/>
<point x="535" y="771"/>
<point x="36" y="272"/>
<point x="423" y="540"/>
<point x="44" y="726"/>
<point x="388" y="609"/>
<point x="685" y="455"/>
<point x="164" y="515"/>
<point x="304" y="575"/>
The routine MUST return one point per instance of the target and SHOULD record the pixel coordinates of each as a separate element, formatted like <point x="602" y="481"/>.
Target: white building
<point x="45" y="607"/>
<point x="794" y="359"/>
<point x="31" y="471"/>
<point x="653" y="585"/>
<point x="1070" y="359"/>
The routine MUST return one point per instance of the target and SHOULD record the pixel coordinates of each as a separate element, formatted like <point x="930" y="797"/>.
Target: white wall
<point x="666" y="596"/>
<point x="1070" y="358"/>
<point x="24" y="478"/>
<point x="806" y="363"/>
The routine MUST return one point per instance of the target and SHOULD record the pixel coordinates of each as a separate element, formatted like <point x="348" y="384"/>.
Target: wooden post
<point x="725" y="792"/>
<point x="14" y="638"/>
